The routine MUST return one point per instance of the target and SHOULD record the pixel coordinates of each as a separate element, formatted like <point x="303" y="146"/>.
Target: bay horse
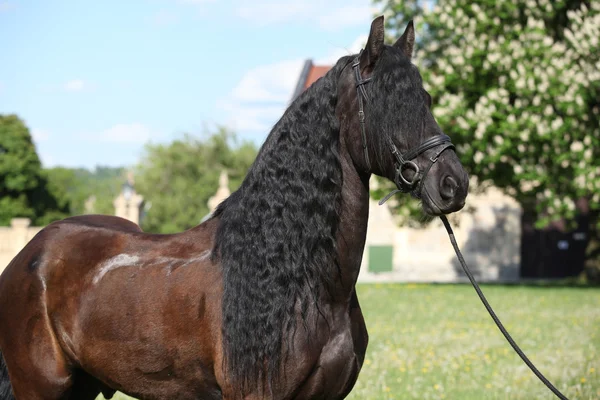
<point x="257" y="302"/>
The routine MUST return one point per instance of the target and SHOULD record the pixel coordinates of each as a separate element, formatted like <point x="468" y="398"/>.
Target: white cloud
<point x="273" y="82"/>
<point x="328" y="15"/>
<point x="75" y="85"/>
<point x="124" y="133"/>
<point x="40" y="135"/>
<point x="251" y="118"/>
<point x="337" y="53"/>
<point x="261" y="96"/>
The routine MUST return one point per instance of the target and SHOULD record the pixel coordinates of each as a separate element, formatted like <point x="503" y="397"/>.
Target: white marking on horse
<point x="204" y="256"/>
<point x="184" y="262"/>
<point x="118" y="261"/>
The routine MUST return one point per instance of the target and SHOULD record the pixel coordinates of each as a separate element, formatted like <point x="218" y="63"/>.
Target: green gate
<point x="380" y="258"/>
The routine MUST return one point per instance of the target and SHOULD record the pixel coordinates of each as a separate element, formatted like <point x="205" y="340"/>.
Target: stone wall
<point x="490" y="240"/>
<point x="14" y="237"/>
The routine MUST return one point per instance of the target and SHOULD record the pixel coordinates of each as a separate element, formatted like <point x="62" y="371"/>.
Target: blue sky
<point x="96" y="80"/>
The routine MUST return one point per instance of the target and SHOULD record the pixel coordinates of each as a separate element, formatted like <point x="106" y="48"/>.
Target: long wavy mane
<point x="276" y="239"/>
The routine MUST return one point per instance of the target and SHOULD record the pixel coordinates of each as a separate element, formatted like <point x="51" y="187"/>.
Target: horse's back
<point x="91" y="289"/>
<point x="102" y="221"/>
<point x="62" y="240"/>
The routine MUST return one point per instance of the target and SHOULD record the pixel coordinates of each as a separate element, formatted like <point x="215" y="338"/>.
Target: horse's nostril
<point x="448" y="187"/>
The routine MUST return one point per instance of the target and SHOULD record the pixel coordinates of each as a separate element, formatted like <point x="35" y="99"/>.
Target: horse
<point x="257" y="302"/>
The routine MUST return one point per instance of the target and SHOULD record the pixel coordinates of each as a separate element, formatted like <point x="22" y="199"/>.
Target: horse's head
<point x="389" y="126"/>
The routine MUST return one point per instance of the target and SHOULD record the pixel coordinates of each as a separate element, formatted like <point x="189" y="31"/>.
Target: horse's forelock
<point x="396" y="107"/>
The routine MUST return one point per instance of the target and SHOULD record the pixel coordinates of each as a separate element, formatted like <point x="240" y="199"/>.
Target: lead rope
<point x="493" y="314"/>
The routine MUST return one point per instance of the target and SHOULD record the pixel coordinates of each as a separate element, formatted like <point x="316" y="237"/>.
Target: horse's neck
<point x="354" y="216"/>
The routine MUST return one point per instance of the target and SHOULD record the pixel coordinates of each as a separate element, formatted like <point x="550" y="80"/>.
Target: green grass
<point x="438" y="342"/>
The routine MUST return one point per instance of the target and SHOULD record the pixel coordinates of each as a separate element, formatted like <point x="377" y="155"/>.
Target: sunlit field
<point x="437" y="342"/>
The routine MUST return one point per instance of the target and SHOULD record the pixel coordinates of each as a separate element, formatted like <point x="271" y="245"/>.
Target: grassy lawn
<point x="438" y="342"/>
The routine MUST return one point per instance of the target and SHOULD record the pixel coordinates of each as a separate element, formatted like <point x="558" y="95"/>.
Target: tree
<point x="24" y="188"/>
<point x="517" y="86"/>
<point x="178" y="179"/>
<point x="72" y="187"/>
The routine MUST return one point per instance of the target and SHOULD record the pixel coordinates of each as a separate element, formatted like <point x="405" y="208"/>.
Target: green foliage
<point x="24" y="189"/>
<point x="19" y="165"/>
<point x="74" y="186"/>
<point x="105" y="184"/>
<point x="60" y="184"/>
<point x="399" y="13"/>
<point x="517" y="87"/>
<point x="178" y="179"/>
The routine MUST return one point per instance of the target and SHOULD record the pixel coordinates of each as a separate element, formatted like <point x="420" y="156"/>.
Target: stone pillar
<point x="222" y="193"/>
<point x="128" y="203"/>
<point x="20" y="235"/>
<point x="90" y="205"/>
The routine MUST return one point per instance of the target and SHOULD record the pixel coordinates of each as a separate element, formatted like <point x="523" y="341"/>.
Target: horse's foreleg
<point x="38" y="375"/>
<point x="37" y="367"/>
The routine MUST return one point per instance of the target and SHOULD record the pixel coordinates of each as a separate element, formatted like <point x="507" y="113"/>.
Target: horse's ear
<point x="406" y="43"/>
<point x="374" y="46"/>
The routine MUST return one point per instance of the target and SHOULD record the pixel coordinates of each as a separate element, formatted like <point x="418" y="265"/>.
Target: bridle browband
<point x="403" y="162"/>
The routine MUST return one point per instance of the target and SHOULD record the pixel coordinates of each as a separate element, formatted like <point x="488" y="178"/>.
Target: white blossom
<point x="576" y="146"/>
<point x="478" y="157"/>
<point x="557" y="123"/>
<point x="538" y="99"/>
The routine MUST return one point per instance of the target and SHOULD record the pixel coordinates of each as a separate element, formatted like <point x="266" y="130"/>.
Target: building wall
<point x="489" y="238"/>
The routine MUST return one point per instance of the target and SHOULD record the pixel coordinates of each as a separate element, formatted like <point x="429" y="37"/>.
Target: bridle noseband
<point x="403" y="162"/>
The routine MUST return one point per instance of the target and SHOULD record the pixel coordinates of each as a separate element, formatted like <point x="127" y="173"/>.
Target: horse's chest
<point x="336" y="371"/>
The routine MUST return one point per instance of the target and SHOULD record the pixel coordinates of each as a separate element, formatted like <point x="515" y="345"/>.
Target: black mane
<point x="276" y="239"/>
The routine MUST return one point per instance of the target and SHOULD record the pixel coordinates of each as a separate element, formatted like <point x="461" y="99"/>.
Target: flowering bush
<point x="517" y="87"/>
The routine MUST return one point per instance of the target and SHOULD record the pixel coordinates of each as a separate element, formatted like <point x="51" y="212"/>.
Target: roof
<point x="315" y="73"/>
<point x="310" y="74"/>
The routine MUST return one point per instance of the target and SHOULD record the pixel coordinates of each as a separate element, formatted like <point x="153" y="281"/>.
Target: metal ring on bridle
<point x="412" y="166"/>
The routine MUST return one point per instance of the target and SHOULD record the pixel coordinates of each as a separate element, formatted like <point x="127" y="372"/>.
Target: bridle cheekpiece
<point x="403" y="162"/>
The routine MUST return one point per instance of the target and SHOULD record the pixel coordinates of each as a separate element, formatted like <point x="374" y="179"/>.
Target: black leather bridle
<point x="404" y="184"/>
<point x="403" y="162"/>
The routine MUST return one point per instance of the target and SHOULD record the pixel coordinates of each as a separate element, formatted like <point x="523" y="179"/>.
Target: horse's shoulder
<point x="101" y="221"/>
